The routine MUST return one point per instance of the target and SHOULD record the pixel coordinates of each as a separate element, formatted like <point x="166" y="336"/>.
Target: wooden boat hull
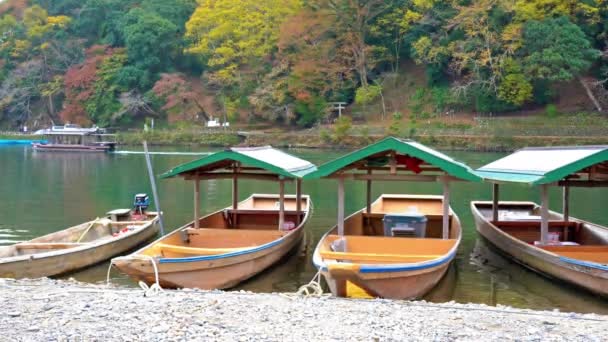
<point x="72" y="148"/>
<point x="592" y="276"/>
<point x="218" y="271"/>
<point x="396" y="280"/>
<point x="55" y="262"/>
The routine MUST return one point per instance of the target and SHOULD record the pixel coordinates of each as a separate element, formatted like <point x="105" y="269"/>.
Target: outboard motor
<point x="141" y="203"/>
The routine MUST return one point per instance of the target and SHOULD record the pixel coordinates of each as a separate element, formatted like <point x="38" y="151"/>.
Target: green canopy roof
<point x="542" y="165"/>
<point x="266" y="158"/>
<point x="402" y="146"/>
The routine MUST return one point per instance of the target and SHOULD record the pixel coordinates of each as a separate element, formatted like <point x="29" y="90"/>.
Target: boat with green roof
<point x="554" y="244"/>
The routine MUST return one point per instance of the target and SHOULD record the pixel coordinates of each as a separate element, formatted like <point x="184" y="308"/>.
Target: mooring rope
<point x="149" y="291"/>
<point x="313" y="288"/>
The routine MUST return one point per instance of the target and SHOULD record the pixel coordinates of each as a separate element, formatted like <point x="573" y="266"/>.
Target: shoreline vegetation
<point x="462" y="142"/>
<point x="500" y="134"/>
<point x="50" y="309"/>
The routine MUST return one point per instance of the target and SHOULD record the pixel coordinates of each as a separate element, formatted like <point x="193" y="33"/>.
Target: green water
<point x="44" y="192"/>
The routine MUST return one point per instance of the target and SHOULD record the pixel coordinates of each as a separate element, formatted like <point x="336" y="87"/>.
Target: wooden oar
<point x="87" y="230"/>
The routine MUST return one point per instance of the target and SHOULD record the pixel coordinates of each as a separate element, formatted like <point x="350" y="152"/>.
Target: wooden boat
<point x="229" y="246"/>
<point x="551" y="243"/>
<point x="584" y="263"/>
<point x="220" y="255"/>
<point x="365" y="255"/>
<point x="73" y="138"/>
<point x="386" y="266"/>
<point x="78" y="247"/>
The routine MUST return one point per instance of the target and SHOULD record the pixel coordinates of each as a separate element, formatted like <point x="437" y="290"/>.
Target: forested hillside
<point x="119" y="62"/>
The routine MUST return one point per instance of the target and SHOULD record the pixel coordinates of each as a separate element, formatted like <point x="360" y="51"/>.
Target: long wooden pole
<point x="281" y="204"/>
<point x="298" y="200"/>
<point x="341" y="206"/>
<point x="495" y="195"/>
<point x="197" y="198"/>
<point x="446" y="209"/>
<point x="544" y="214"/>
<point x="154" y="192"/>
<point x="566" y="203"/>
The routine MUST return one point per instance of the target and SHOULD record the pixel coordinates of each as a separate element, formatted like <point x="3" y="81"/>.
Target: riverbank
<point x="45" y="309"/>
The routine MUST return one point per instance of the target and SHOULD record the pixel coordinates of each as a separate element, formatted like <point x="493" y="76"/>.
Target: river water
<point x="44" y="192"/>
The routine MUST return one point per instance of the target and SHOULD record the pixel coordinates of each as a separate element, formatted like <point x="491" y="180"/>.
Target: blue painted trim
<point x="398" y="267"/>
<point x="21" y="142"/>
<point x="220" y="256"/>
<point x="584" y="263"/>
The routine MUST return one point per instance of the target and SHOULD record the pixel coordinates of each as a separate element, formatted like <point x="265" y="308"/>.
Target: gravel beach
<point x="49" y="310"/>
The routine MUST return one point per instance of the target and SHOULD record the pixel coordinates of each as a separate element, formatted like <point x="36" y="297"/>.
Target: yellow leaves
<point x="515" y="89"/>
<point x="20" y="48"/>
<point x="230" y="34"/>
<point x="541" y="9"/>
<point x="60" y="21"/>
<point x="424" y="4"/>
<point x="427" y="52"/>
<point x="512" y="37"/>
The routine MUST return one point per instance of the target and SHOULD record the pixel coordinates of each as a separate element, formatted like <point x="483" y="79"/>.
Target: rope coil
<point x="149" y="291"/>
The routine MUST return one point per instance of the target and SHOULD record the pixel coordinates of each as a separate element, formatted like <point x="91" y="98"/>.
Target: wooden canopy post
<point x="369" y="193"/>
<point x="446" y="208"/>
<point x="544" y="214"/>
<point x="495" y="195"/>
<point x="281" y="203"/>
<point x="566" y="203"/>
<point x="341" y="206"/>
<point x="197" y="197"/>
<point x="298" y="200"/>
<point x="235" y="196"/>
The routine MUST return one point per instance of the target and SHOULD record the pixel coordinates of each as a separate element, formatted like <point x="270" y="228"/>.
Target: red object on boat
<point x="411" y="163"/>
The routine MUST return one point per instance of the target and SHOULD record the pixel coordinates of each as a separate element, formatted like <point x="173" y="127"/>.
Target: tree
<point x="182" y="101"/>
<point x="234" y="36"/>
<point x="556" y="50"/>
<point x="150" y="40"/>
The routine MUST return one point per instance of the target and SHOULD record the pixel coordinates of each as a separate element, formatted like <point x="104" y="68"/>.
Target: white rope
<point x="149" y="291"/>
<point x="313" y="288"/>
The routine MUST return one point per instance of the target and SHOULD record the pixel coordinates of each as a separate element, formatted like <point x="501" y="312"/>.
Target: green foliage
<point x="309" y="112"/>
<point x="556" y="50"/>
<point x="394" y="129"/>
<point x="342" y="129"/>
<point x="551" y="111"/>
<point x="103" y="103"/>
<point x="149" y="39"/>
<point x="365" y="95"/>
<point x="515" y="89"/>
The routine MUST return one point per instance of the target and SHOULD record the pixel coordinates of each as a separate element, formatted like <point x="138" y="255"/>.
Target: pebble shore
<point x="57" y="310"/>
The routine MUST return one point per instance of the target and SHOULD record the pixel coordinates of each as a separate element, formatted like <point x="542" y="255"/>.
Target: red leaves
<point x="79" y="84"/>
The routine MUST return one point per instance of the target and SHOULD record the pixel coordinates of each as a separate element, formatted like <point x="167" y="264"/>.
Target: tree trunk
<point x="596" y="103"/>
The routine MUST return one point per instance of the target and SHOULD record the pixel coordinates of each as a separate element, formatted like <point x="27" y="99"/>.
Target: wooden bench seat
<point x="594" y="253"/>
<point x="373" y="257"/>
<point x="195" y="250"/>
<point x="535" y="224"/>
<point x="394" y="245"/>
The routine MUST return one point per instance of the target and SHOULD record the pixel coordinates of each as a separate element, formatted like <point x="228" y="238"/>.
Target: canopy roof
<point x="265" y="158"/>
<point x="542" y="165"/>
<point x="373" y="154"/>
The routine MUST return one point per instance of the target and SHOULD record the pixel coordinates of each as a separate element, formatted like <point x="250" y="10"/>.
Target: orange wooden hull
<point x="220" y="270"/>
<point x="379" y="276"/>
